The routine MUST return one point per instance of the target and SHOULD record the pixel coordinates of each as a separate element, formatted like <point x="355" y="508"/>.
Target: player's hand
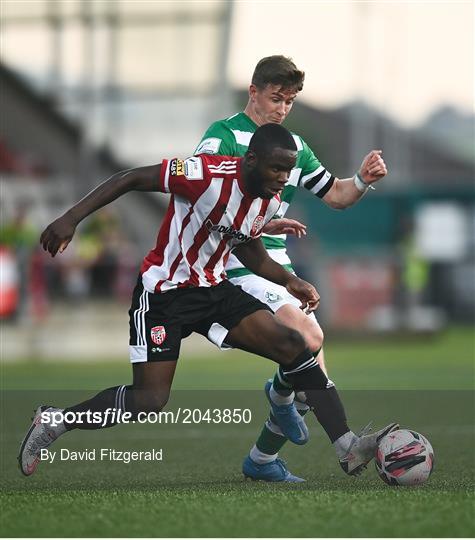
<point x="373" y="167"/>
<point x="285" y="226"/>
<point x="57" y="235"/>
<point x="305" y="292"/>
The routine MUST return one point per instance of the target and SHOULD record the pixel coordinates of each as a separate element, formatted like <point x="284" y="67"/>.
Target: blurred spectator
<point x="9" y="293"/>
<point x="128" y="262"/>
<point x="101" y="237"/>
<point x="413" y="269"/>
<point x="18" y="239"/>
<point x="100" y="263"/>
<point x="75" y="263"/>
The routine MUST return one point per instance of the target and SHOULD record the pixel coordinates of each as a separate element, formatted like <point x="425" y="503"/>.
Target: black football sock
<point x="101" y="411"/>
<point x="306" y="375"/>
<point x="281" y="383"/>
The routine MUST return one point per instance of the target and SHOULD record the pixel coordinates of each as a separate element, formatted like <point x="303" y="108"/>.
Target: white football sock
<point x="343" y="444"/>
<point x="259" y="457"/>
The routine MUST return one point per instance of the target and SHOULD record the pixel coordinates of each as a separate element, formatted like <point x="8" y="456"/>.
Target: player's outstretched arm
<point x="254" y="256"/>
<point x="60" y="232"/>
<point x="347" y="191"/>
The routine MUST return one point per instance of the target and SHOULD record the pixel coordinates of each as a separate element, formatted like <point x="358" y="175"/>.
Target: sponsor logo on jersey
<point x="257" y="225"/>
<point x="227" y="231"/>
<point x="194" y="168"/>
<point x="209" y="146"/>
<point x="177" y="167"/>
<point x="158" y="334"/>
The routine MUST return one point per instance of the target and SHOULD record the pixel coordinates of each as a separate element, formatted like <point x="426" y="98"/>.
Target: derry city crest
<point x="257" y="225"/>
<point x="158" y="334"/>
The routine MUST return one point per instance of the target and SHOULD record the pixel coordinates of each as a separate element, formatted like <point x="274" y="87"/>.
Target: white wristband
<point x="360" y="184"/>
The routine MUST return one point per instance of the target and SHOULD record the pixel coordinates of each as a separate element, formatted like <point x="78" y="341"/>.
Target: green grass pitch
<point x="197" y="489"/>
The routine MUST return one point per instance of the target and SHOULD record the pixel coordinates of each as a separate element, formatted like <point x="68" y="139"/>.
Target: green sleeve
<point x="218" y="139"/>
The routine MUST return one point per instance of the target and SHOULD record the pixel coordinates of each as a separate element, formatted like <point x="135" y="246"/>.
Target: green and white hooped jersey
<point x="231" y="137"/>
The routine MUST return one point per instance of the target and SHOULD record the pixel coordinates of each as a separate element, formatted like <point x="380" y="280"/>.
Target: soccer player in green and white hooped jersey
<point x="275" y="84"/>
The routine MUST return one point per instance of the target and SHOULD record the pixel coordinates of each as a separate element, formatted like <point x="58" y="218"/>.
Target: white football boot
<point x="39" y="436"/>
<point x="363" y="449"/>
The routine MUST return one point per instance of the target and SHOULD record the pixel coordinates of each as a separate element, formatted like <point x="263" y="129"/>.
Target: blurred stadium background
<point x="89" y="88"/>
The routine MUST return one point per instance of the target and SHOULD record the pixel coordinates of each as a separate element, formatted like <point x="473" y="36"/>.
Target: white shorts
<point x="275" y="296"/>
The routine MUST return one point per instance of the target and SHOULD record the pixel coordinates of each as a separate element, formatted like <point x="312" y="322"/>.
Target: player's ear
<point x="251" y="158"/>
<point x="252" y="91"/>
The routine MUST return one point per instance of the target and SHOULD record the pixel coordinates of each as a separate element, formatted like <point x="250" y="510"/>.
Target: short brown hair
<point x="278" y="70"/>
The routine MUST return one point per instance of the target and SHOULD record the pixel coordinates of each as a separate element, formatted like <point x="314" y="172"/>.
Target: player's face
<point x="270" y="105"/>
<point x="270" y="173"/>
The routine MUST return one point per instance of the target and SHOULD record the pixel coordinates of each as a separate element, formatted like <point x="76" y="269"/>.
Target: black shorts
<point x="158" y="322"/>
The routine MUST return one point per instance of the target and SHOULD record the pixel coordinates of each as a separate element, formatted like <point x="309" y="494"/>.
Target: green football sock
<point x="269" y="442"/>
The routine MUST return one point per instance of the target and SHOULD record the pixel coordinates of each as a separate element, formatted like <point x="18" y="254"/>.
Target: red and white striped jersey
<point x="210" y="213"/>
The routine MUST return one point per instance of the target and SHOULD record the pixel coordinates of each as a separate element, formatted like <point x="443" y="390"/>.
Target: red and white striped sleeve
<point x="187" y="177"/>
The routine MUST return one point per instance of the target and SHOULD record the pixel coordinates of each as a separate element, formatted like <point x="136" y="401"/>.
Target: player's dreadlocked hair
<point x="270" y="136"/>
<point x="280" y="71"/>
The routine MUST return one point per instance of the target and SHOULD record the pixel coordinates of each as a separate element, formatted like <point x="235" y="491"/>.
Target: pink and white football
<point x="404" y="458"/>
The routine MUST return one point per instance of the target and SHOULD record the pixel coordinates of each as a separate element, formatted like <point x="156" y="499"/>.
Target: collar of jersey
<point x="250" y="121"/>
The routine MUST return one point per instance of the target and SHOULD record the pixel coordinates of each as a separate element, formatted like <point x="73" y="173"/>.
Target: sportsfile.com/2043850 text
<point x="178" y="416"/>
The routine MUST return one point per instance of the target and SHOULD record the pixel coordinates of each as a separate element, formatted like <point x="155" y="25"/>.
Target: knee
<point x="289" y="345"/>
<point x="314" y="338"/>
<point x="150" y="400"/>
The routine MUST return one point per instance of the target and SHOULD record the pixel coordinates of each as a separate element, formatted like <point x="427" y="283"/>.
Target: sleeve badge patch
<point x="209" y="146"/>
<point x="193" y="168"/>
<point x="177" y="167"/>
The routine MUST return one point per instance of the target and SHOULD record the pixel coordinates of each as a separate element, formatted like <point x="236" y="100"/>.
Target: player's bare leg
<point x="149" y="392"/>
<point x="293" y="317"/>
<point x="266" y="449"/>
<point x="262" y="334"/>
<point x="151" y="384"/>
<point x="261" y="331"/>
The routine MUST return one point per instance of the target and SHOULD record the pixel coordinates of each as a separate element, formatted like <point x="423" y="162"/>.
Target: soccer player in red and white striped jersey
<point x="218" y="205"/>
<point x="211" y="212"/>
